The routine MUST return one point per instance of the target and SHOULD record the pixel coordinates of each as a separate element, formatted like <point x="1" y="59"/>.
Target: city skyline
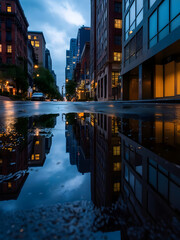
<point x="63" y="29"/>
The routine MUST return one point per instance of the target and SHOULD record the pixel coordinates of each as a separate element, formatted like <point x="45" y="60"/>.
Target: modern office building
<point x="82" y="37"/>
<point x="151" y="49"/>
<point x="13" y="37"/>
<point x="71" y="56"/>
<point x="106" y="32"/>
<point x="48" y="60"/>
<point x="38" y="42"/>
<point x="83" y="89"/>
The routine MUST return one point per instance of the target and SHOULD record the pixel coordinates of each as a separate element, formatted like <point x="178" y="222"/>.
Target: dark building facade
<point x="39" y="44"/>
<point x="82" y="37"/>
<point x="151" y="49"/>
<point x="48" y="60"/>
<point x="13" y="38"/>
<point x="106" y="32"/>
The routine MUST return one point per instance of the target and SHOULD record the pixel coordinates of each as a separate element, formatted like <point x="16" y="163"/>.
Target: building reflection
<point x="94" y="146"/>
<point x="131" y="159"/>
<point x="23" y="143"/>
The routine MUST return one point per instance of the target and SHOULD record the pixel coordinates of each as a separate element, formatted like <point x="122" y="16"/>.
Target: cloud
<point x="57" y="41"/>
<point x="66" y="12"/>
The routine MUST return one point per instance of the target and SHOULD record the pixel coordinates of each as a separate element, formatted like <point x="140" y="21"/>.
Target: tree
<point x="44" y="81"/>
<point x="71" y="88"/>
<point x="18" y="74"/>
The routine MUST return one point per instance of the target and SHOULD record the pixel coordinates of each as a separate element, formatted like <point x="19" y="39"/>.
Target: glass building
<point x="151" y="49"/>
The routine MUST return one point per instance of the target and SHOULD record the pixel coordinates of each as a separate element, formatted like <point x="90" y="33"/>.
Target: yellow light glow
<point x="130" y="32"/>
<point x="116" y="151"/>
<point x="9" y="185"/>
<point x="0" y="47"/>
<point x="32" y="157"/>
<point x="37" y="75"/>
<point x="117" y="167"/>
<point x="1" y="161"/>
<point x="117" y="56"/>
<point x="117" y="187"/>
<point x="37" y="143"/>
<point x="29" y="37"/>
<point x="37" y="44"/>
<point x="36" y="66"/>
<point x="9" y="9"/>
<point x="118" y="23"/>
<point x="9" y="48"/>
<point x="37" y="156"/>
<point x="35" y="37"/>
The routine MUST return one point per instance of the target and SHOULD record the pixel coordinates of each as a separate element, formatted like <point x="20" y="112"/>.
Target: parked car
<point x="38" y="96"/>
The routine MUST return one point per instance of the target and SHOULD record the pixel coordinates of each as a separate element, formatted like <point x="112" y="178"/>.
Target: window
<point x="134" y="17"/>
<point x="37" y="143"/>
<point x="36" y="43"/>
<point x="8" y="23"/>
<point x="117" y="56"/>
<point x="9" y="185"/>
<point x="0" y="47"/>
<point x="29" y="37"/>
<point x="32" y="43"/>
<point x="37" y="156"/>
<point x="8" y="8"/>
<point x="153" y="29"/>
<point x="117" y="167"/>
<point x="164" y="20"/>
<point x="115" y="78"/>
<point x="9" y="60"/>
<point x="9" y="48"/>
<point x="35" y="37"/>
<point x="117" y="23"/>
<point x="151" y="2"/>
<point x="174" y="14"/>
<point x="8" y="36"/>
<point x="126" y="4"/>
<point x="117" y="40"/>
<point x="117" y="187"/>
<point x="116" y="151"/>
<point x="118" y="7"/>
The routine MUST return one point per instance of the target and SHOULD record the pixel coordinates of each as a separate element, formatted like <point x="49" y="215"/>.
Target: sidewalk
<point x="2" y="98"/>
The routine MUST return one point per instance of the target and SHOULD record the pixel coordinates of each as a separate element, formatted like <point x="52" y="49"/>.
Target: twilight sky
<point x="59" y="20"/>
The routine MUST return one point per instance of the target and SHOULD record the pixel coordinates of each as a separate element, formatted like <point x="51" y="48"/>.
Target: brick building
<point x="13" y="32"/>
<point x="106" y="32"/>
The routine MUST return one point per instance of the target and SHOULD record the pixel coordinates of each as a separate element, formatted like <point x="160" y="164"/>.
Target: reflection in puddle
<point x="132" y="161"/>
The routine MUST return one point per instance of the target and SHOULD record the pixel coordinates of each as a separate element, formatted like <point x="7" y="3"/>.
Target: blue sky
<point x="59" y="20"/>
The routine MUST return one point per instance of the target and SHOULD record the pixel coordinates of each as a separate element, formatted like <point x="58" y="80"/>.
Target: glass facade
<point x="165" y="19"/>
<point x="133" y="17"/>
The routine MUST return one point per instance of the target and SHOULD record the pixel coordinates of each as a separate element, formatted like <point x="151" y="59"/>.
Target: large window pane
<point x="139" y="5"/>
<point x="163" y="16"/>
<point x="153" y="176"/>
<point x="153" y="25"/>
<point x="151" y="2"/>
<point x="174" y="8"/>
<point x="139" y="18"/>
<point x="132" y="13"/>
<point x="175" y="23"/>
<point x="127" y="22"/>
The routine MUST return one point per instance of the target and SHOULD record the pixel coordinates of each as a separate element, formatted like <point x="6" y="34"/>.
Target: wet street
<point x="89" y="170"/>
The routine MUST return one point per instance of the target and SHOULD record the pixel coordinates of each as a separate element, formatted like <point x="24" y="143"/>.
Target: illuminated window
<point x="116" y="151"/>
<point x="117" y="56"/>
<point x="9" y="185"/>
<point x="36" y="43"/>
<point x="29" y="37"/>
<point x="0" y="47"/>
<point x="32" y="157"/>
<point x="35" y="37"/>
<point x="32" y="43"/>
<point x="115" y="78"/>
<point x="117" y="187"/>
<point x="1" y="161"/>
<point x="116" y="167"/>
<point x="117" y="23"/>
<point x="37" y="143"/>
<point x="9" y="48"/>
<point x="37" y="156"/>
<point x="8" y="8"/>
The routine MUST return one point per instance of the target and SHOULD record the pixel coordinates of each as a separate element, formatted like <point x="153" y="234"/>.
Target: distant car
<point x="38" y="96"/>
